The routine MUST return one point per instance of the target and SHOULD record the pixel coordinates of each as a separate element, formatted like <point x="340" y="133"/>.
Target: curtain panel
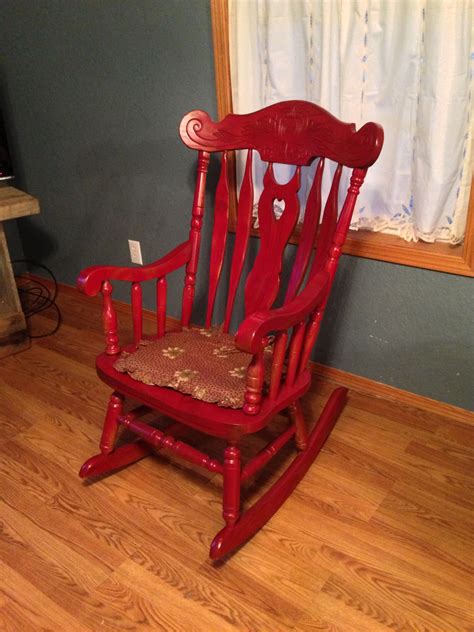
<point x="406" y="64"/>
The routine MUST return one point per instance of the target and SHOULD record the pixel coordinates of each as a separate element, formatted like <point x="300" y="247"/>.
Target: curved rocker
<point x="254" y="518"/>
<point x="121" y="457"/>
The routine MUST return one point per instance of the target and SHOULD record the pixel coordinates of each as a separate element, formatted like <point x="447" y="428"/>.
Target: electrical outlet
<point x="135" y="251"/>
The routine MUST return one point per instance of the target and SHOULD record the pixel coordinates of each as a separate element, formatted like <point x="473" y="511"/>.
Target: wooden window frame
<point x="437" y="256"/>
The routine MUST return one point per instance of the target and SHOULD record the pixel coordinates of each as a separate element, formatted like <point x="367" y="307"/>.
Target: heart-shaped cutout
<point x="278" y="208"/>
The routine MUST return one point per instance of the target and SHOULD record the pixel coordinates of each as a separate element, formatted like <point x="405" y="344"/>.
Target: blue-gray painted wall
<point x="93" y="92"/>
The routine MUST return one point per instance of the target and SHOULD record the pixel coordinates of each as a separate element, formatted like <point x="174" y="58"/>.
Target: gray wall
<point x="93" y="93"/>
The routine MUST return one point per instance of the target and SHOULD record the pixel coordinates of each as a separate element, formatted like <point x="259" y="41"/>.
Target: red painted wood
<point x="91" y="279"/>
<point x="159" y="439"/>
<point x="109" y="319"/>
<point x="161" y="287"/>
<point x="328" y="226"/>
<point x="135" y="413"/>
<point x="231" y="484"/>
<point x="219" y="237"/>
<point x="121" y="457"/>
<point x="109" y="432"/>
<point x="137" y="313"/>
<point x="254" y="518"/>
<point x="252" y="332"/>
<point x="308" y="234"/>
<point x="263" y="281"/>
<point x="311" y="335"/>
<point x="290" y="132"/>
<point x="301" y="431"/>
<point x="331" y="251"/>
<point x="195" y="238"/>
<point x="244" y="220"/>
<point x="278" y="360"/>
<point x="268" y="452"/>
<point x="357" y="180"/>
<point x="335" y="250"/>
<point x="217" y="421"/>
<point x="254" y="384"/>
<point x="294" y="132"/>
<point x="296" y="343"/>
<point x="192" y="455"/>
<point x="125" y="454"/>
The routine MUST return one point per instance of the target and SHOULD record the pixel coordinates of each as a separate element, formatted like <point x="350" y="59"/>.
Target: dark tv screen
<point x="6" y="170"/>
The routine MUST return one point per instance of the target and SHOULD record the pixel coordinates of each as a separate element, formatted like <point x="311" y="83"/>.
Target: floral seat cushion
<point x="203" y="363"/>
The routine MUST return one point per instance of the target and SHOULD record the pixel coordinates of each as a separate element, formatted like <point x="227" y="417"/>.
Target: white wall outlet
<point x="135" y="251"/>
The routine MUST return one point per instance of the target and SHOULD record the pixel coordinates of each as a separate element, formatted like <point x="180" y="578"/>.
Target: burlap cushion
<point x="203" y="363"/>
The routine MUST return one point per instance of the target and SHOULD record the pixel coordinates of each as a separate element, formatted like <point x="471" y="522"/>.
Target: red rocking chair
<point x="205" y="378"/>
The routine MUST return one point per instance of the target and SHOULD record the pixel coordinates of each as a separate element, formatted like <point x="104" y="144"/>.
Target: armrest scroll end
<point x="89" y="282"/>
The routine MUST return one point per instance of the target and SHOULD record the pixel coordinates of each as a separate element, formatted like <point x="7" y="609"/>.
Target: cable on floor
<point x="36" y="297"/>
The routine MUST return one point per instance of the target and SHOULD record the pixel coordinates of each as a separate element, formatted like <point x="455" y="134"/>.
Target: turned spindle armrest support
<point x="91" y="279"/>
<point x="251" y="335"/>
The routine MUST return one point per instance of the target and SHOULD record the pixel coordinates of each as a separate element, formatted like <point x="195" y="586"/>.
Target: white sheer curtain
<point x="405" y="64"/>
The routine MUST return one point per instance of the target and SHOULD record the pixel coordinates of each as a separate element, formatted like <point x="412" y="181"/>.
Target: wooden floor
<point x="378" y="536"/>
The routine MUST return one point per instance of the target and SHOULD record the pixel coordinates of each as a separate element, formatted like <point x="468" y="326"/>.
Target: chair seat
<point x="218" y="421"/>
<point x="203" y="363"/>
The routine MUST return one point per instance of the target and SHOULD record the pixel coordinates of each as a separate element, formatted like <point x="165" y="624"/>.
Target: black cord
<point x="36" y="296"/>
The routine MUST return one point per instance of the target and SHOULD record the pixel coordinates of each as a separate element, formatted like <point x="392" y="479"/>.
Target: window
<point x="457" y="259"/>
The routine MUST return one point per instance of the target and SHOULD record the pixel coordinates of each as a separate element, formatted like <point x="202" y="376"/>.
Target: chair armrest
<point x="90" y="280"/>
<point x="251" y="334"/>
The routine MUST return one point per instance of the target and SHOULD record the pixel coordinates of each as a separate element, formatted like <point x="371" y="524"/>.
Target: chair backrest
<point x="294" y="133"/>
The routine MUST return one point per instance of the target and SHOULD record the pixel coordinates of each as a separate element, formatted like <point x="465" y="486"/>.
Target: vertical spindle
<point x="279" y="350"/>
<point x="328" y="225"/>
<point x="244" y="219"/>
<point x="255" y="378"/>
<point x="311" y="335"/>
<point x="219" y="237"/>
<point x="295" y="351"/>
<point x="308" y="233"/>
<point x="137" y="313"/>
<point x="357" y="179"/>
<point x="109" y="319"/>
<point x="195" y="238"/>
<point x="161" y="286"/>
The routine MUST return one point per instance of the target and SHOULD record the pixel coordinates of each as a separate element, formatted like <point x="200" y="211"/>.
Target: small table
<point x="13" y="332"/>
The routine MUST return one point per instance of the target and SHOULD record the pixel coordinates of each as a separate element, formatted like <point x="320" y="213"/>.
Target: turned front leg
<point x="109" y="433"/>
<point x="301" y="431"/>
<point x="231" y="498"/>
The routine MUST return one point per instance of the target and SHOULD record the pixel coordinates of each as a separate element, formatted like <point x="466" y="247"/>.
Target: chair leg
<point x="231" y="495"/>
<point x="296" y="415"/>
<point x="232" y="536"/>
<point x="111" y="459"/>
<point x="109" y="432"/>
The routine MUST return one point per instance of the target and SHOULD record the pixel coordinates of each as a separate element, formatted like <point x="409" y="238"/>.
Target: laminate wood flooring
<point x="378" y="536"/>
